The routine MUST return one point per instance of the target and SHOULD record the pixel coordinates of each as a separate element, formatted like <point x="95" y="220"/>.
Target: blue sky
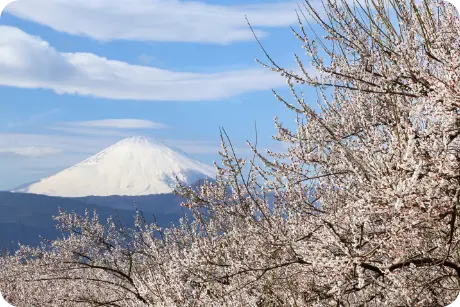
<point x="77" y="76"/>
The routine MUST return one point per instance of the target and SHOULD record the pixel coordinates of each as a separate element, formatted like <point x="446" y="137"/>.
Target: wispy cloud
<point x="29" y="62"/>
<point x="92" y="131"/>
<point x="108" y="127"/>
<point x="64" y="143"/>
<point x="90" y="145"/>
<point x="125" y="123"/>
<point x="30" y="151"/>
<point x="156" y="20"/>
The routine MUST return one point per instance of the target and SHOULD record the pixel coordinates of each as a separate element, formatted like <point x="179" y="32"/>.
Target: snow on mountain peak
<point x="133" y="166"/>
<point x="138" y="140"/>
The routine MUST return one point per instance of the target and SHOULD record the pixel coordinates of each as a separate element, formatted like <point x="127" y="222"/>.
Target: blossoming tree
<point x="361" y="210"/>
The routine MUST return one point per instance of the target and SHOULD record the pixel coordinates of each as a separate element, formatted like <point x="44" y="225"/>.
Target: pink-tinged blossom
<point x="361" y="210"/>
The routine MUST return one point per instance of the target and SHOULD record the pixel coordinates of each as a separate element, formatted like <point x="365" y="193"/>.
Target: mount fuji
<point x="132" y="167"/>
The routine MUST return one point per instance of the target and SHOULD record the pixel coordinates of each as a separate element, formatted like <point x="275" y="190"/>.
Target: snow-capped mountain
<point x="133" y="166"/>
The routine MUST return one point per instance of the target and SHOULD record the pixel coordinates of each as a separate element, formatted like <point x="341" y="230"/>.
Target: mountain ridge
<point x="24" y="217"/>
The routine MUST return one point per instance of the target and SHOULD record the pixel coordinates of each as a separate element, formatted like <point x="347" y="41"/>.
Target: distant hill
<point x="164" y="203"/>
<point x="24" y="217"/>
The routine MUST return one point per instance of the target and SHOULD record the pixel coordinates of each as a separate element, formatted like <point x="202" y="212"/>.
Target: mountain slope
<point x="133" y="166"/>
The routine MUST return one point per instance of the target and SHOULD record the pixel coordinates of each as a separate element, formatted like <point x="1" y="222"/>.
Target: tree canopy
<point x="362" y="209"/>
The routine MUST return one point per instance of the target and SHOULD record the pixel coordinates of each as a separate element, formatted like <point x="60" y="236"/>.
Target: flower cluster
<point x="361" y="210"/>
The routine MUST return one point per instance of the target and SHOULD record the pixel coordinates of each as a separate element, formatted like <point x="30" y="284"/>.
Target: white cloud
<point x="30" y="151"/>
<point x="107" y="127"/>
<point x="64" y="143"/>
<point x="155" y="20"/>
<point x="118" y="124"/>
<point x="29" y="62"/>
<point x="92" y="131"/>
